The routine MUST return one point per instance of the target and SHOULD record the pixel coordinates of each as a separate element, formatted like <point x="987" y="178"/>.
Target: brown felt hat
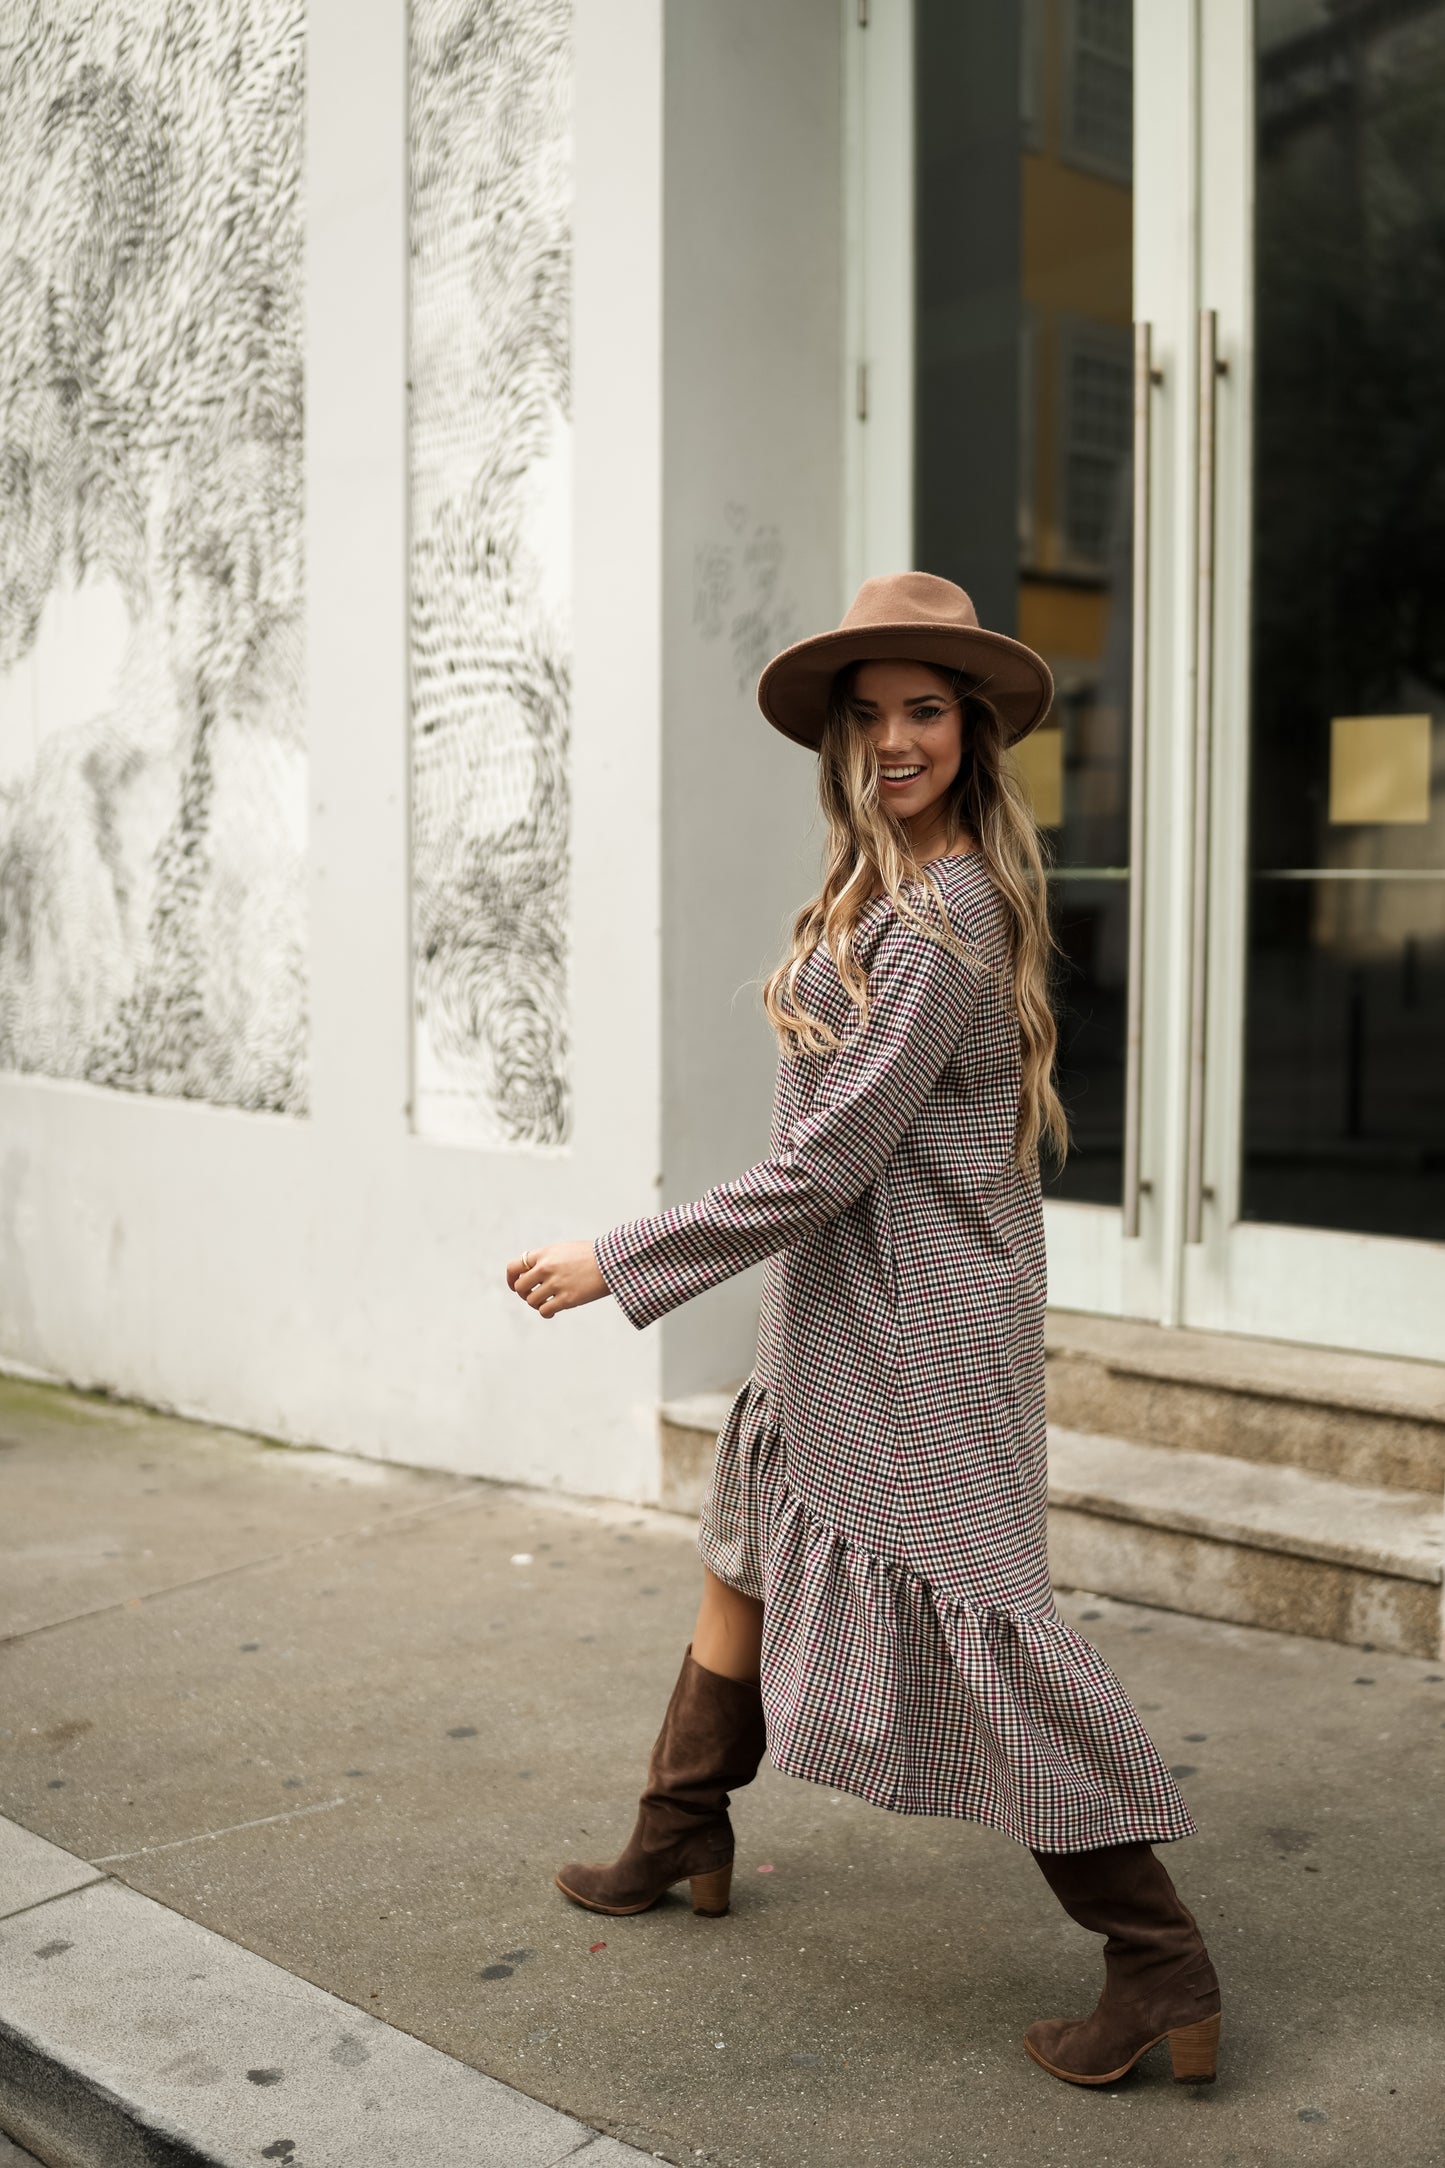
<point x="906" y="617"/>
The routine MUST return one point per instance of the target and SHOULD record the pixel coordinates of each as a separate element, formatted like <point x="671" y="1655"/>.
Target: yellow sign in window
<point x="1379" y="768"/>
<point x="1039" y="762"/>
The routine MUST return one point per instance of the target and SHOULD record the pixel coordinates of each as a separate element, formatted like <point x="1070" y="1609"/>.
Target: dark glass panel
<point x="1023" y="399"/>
<point x="1344" y="1109"/>
<point x="1091" y="925"/>
<point x="1345" y="1056"/>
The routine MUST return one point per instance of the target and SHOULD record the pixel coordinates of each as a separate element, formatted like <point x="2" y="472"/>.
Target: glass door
<point x="1022" y="431"/>
<point x="993" y="373"/>
<point x="1314" y="1174"/>
<point x="1144" y="353"/>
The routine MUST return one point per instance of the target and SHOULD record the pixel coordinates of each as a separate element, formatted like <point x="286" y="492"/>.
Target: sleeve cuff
<point x="635" y="1296"/>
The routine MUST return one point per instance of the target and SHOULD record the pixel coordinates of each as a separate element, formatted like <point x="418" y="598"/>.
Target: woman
<point x="875" y="1543"/>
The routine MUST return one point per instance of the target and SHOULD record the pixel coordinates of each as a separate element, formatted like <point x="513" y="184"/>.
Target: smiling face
<point x="913" y="720"/>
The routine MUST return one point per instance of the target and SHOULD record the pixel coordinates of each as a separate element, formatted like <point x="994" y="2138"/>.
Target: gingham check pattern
<point x="901" y="1354"/>
<point x="923" y="1703"/>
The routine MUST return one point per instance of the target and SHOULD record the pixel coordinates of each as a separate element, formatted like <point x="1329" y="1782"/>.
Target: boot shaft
<point x="711" y="1742"/>
<point x="1123" y="1892"/>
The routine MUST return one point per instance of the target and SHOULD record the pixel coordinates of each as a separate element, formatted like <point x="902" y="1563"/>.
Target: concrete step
<point x="1204" y="1533"/>
<point x="1363" y="1419"/>
<point x="1257" y="1545"/>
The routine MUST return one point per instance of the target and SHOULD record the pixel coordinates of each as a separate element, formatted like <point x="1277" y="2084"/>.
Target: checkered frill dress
<point x="881" y="1478"/>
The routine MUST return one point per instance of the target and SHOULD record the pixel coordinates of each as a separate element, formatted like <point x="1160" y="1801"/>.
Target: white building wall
<point x="336" y="1278"/>
<point x="753" y="437"/>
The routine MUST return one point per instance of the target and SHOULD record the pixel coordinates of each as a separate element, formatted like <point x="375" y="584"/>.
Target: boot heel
<point x="1194" y="2050"/>
<point x="710" y="1892"/>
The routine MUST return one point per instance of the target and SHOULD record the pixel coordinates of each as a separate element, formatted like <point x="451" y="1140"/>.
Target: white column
<point x="753" y="550"/>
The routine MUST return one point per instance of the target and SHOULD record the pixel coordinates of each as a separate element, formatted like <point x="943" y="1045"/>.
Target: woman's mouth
<point x="898" y="778"/>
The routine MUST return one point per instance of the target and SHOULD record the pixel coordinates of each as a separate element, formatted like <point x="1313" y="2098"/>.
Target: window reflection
<point x="1344" y="1115"/>
<point x="1023" y="403"/>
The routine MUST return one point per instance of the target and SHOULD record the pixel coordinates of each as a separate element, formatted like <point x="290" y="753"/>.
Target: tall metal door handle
<point x="1146" y="376"/>
<point x="1210" y="370"/>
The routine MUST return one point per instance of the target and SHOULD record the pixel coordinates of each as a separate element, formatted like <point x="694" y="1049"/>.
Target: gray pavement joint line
<point x="602" y="2140"/>
<point x="208" y="1836"/>
<point x="245" y="1565"/>
<point x="54" y="1897"/>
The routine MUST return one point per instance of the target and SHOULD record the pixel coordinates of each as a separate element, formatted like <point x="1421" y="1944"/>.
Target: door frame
<point x="1378" y="1293"/>
<point x="1092" y="1265"/>
<point x="1193" y="241"/>
<point x="877" y="392"/>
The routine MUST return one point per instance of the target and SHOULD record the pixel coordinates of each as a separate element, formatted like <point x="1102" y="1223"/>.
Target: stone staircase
<point x="1289" y="1487"/>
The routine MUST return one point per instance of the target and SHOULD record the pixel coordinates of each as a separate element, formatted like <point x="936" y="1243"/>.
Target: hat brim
<point x="793" y="690"/>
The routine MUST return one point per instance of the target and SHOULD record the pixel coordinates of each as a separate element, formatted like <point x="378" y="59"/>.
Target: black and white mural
<point x="152" y="762"/>
<point x="490" y="373"/>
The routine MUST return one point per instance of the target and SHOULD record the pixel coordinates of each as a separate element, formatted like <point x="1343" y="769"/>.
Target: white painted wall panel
<point x="339" y="1279"/>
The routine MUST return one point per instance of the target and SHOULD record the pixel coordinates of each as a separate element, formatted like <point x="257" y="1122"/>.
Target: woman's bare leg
<point x="728" y="1636"/>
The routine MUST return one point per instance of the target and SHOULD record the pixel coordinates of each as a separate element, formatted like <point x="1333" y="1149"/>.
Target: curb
<point x="130" y="2037"/>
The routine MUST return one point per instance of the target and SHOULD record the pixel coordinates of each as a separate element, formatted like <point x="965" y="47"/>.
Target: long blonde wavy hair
<point x="868" y="850"/>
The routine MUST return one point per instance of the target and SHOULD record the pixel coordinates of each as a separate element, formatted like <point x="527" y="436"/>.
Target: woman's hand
<point x="561" y="1277"/>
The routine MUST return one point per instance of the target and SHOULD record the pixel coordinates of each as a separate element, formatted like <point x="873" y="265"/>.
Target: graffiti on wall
<point x="490" y="420"/>
<point x="152" y="760"/>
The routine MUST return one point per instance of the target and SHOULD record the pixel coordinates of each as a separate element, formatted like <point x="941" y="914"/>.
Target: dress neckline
<point x="944" y="858"/>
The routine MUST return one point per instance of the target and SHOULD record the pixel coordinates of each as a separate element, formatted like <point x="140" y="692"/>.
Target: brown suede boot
<point x="1158" y="1981"/>
<point x="712" y="1738"/>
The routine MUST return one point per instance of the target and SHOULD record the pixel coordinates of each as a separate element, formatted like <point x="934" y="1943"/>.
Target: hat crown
<point x="901" y="598"/>
<point x="905" y="616"/>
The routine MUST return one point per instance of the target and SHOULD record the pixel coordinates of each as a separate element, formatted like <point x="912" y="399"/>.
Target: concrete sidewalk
<point x="350" y="1717"/>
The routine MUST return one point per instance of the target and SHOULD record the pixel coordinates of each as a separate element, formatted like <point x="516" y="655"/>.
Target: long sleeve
<point x="921" y="995"/>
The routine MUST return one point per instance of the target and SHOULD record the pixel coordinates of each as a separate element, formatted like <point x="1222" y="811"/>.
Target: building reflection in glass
<point x="1022" y="489"/>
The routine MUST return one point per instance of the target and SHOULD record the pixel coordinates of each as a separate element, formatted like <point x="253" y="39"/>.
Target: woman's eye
<point x="926" y="715"/>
